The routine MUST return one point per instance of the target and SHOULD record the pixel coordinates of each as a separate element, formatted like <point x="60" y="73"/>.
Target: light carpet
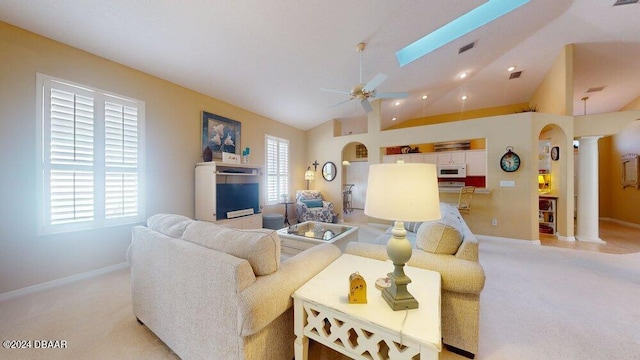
<point x="538" y="303"/>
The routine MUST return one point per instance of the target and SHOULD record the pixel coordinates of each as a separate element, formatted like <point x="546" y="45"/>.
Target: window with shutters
<point x="277" y="168"/>
<point x="90" y="168"/>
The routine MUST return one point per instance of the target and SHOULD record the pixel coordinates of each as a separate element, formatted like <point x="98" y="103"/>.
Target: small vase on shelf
<point x="245" y="155"/>
<point x="207" y="155"/>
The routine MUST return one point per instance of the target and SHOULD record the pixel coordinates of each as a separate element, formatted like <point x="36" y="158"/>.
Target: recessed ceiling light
<point x="511" y="68"/>
<point x="396" y="103"/>
<point x="394" y="119"/>
<point x="463" y="75"/>
<point x="464" y="97"/>
<point x="424" y="97"/>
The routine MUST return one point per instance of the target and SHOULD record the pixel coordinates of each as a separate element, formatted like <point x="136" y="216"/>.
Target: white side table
<point x="361" y="331"/>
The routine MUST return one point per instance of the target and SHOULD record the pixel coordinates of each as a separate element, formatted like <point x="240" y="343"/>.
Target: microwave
<point x="452" y="171"/>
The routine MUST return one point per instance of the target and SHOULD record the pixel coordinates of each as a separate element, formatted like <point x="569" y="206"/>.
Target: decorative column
<point x="588" y="211"/>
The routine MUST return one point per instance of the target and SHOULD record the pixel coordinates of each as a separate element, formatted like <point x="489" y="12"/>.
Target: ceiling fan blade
<point x="366" y="105"/>
<point x="338" y="104"/>
<point x="373" y="83"/>
<point x="392" y="95"/>
<point x="336" y="91"/>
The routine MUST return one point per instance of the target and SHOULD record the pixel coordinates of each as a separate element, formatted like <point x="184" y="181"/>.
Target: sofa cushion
<point x="312" y="203"/>
<point x="260" y="247"/>
<point x="438" y="238"/>
<point x="169" y="224"/>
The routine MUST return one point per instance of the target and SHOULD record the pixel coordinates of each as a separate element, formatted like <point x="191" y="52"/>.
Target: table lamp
<point x="542" y="184"/>
<point x="309" y="175"/>
<point x="401" y="192"/>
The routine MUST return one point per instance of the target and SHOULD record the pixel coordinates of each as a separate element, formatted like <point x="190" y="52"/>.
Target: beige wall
<point x="617" y="202"/>
<point x="172" y="148"/>
<point x="514" y="208"/>
<point x="464" y="115"/>
<point x="555" y="93"/>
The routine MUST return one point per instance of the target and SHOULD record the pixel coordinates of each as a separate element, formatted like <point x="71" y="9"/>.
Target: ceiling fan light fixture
<point x="464" y="97"/>
<point x="397" y="103"/>
<point x="394" y="119"/>
<point x="463" y="75"/>
<point x="364" y="91"/>
<point x="511" y="68"/>
<point x="424" y="97"/>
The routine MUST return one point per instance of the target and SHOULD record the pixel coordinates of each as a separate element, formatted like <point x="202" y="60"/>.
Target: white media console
<point x="209" y="175"/>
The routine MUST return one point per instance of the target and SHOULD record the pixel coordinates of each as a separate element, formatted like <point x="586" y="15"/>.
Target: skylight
<point x="463" y="25"/>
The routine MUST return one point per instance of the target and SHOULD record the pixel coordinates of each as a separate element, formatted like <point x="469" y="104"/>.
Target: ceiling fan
<point x="363" y="92"/>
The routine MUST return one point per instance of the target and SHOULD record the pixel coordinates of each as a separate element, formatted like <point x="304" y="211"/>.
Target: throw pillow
<point x="169" y="224"/>
<point x="438" y="238"/>
<point x="260" y="247"/>
<point x="312" y="203"/>
<point x="412" y="226"/>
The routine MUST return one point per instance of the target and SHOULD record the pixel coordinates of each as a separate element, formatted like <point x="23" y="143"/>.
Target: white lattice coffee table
<point x="372" y="330"/>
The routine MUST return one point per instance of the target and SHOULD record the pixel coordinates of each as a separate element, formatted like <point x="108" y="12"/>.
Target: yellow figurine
<point x="357" y="289"/>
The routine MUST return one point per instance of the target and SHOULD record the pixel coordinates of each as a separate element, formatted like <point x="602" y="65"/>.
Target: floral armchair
<point x="311" y="207"/>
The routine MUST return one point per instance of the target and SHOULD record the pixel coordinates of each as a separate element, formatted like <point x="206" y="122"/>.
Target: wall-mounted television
<point x="232" y="197"/>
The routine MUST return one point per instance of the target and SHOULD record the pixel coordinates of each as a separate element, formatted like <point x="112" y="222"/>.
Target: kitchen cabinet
<point x="431" y="158"/>
<point x="476" y="162"/>
<point x="451" y="157"/>
<point x="416" y="158"/>
<point x="392" y="159"/>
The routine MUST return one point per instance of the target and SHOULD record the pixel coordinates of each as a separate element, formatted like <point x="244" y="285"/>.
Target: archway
<point x="555" y="171"/>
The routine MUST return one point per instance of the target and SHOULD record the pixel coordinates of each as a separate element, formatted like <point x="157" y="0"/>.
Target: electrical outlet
<point x="494" y="222"/>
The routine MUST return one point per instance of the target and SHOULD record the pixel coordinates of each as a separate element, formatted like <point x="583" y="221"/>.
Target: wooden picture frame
<point x="220" y="134"/>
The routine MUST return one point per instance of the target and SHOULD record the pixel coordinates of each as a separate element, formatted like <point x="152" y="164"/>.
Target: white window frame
<point x="98" y="167"/>
<point x="277" y="171"/>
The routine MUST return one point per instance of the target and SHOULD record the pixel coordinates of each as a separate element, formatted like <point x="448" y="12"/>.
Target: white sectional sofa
<point x="211" y="292"/>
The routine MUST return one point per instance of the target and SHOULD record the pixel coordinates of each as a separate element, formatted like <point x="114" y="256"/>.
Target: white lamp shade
<point x="309" y="175"/>
<point x="404" y="192"/>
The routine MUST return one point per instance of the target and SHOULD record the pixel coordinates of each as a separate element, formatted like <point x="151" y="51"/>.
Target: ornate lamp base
<point x="397" y="295"/>
<point x="399" y="251"/>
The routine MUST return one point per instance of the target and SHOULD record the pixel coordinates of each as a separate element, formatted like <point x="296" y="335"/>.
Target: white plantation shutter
<point x="72" y="198"/>
<point x="277" y="151"/>
<point x="90" y="172"/>
<point x="121" y="156"/>
<point x="71" y="143"/>
<point x="121" y="194"/>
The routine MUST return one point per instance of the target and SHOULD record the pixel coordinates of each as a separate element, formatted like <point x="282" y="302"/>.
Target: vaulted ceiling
<point x="273" y="57"/>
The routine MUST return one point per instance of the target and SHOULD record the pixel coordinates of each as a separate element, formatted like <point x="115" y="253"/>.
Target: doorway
<point x="355" y="165"/>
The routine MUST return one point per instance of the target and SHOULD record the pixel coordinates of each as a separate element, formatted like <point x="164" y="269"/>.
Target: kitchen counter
<point x="454" y="190"/>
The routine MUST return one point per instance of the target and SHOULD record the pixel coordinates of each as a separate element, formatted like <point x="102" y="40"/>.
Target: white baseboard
<point x="621" y="222"/>
<point x="509" y="240"/>
<point x="63" y="281"/>
<point x="566" y="238"/>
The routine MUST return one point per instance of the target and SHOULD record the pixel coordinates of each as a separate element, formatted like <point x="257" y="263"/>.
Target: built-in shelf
<point x="547" y="215"/>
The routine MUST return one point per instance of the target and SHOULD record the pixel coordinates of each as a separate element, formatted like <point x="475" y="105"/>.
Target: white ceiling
<point x="272" y="57"/>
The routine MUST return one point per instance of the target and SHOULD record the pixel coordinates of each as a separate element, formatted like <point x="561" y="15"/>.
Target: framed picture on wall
<point x="220" y="134"/>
